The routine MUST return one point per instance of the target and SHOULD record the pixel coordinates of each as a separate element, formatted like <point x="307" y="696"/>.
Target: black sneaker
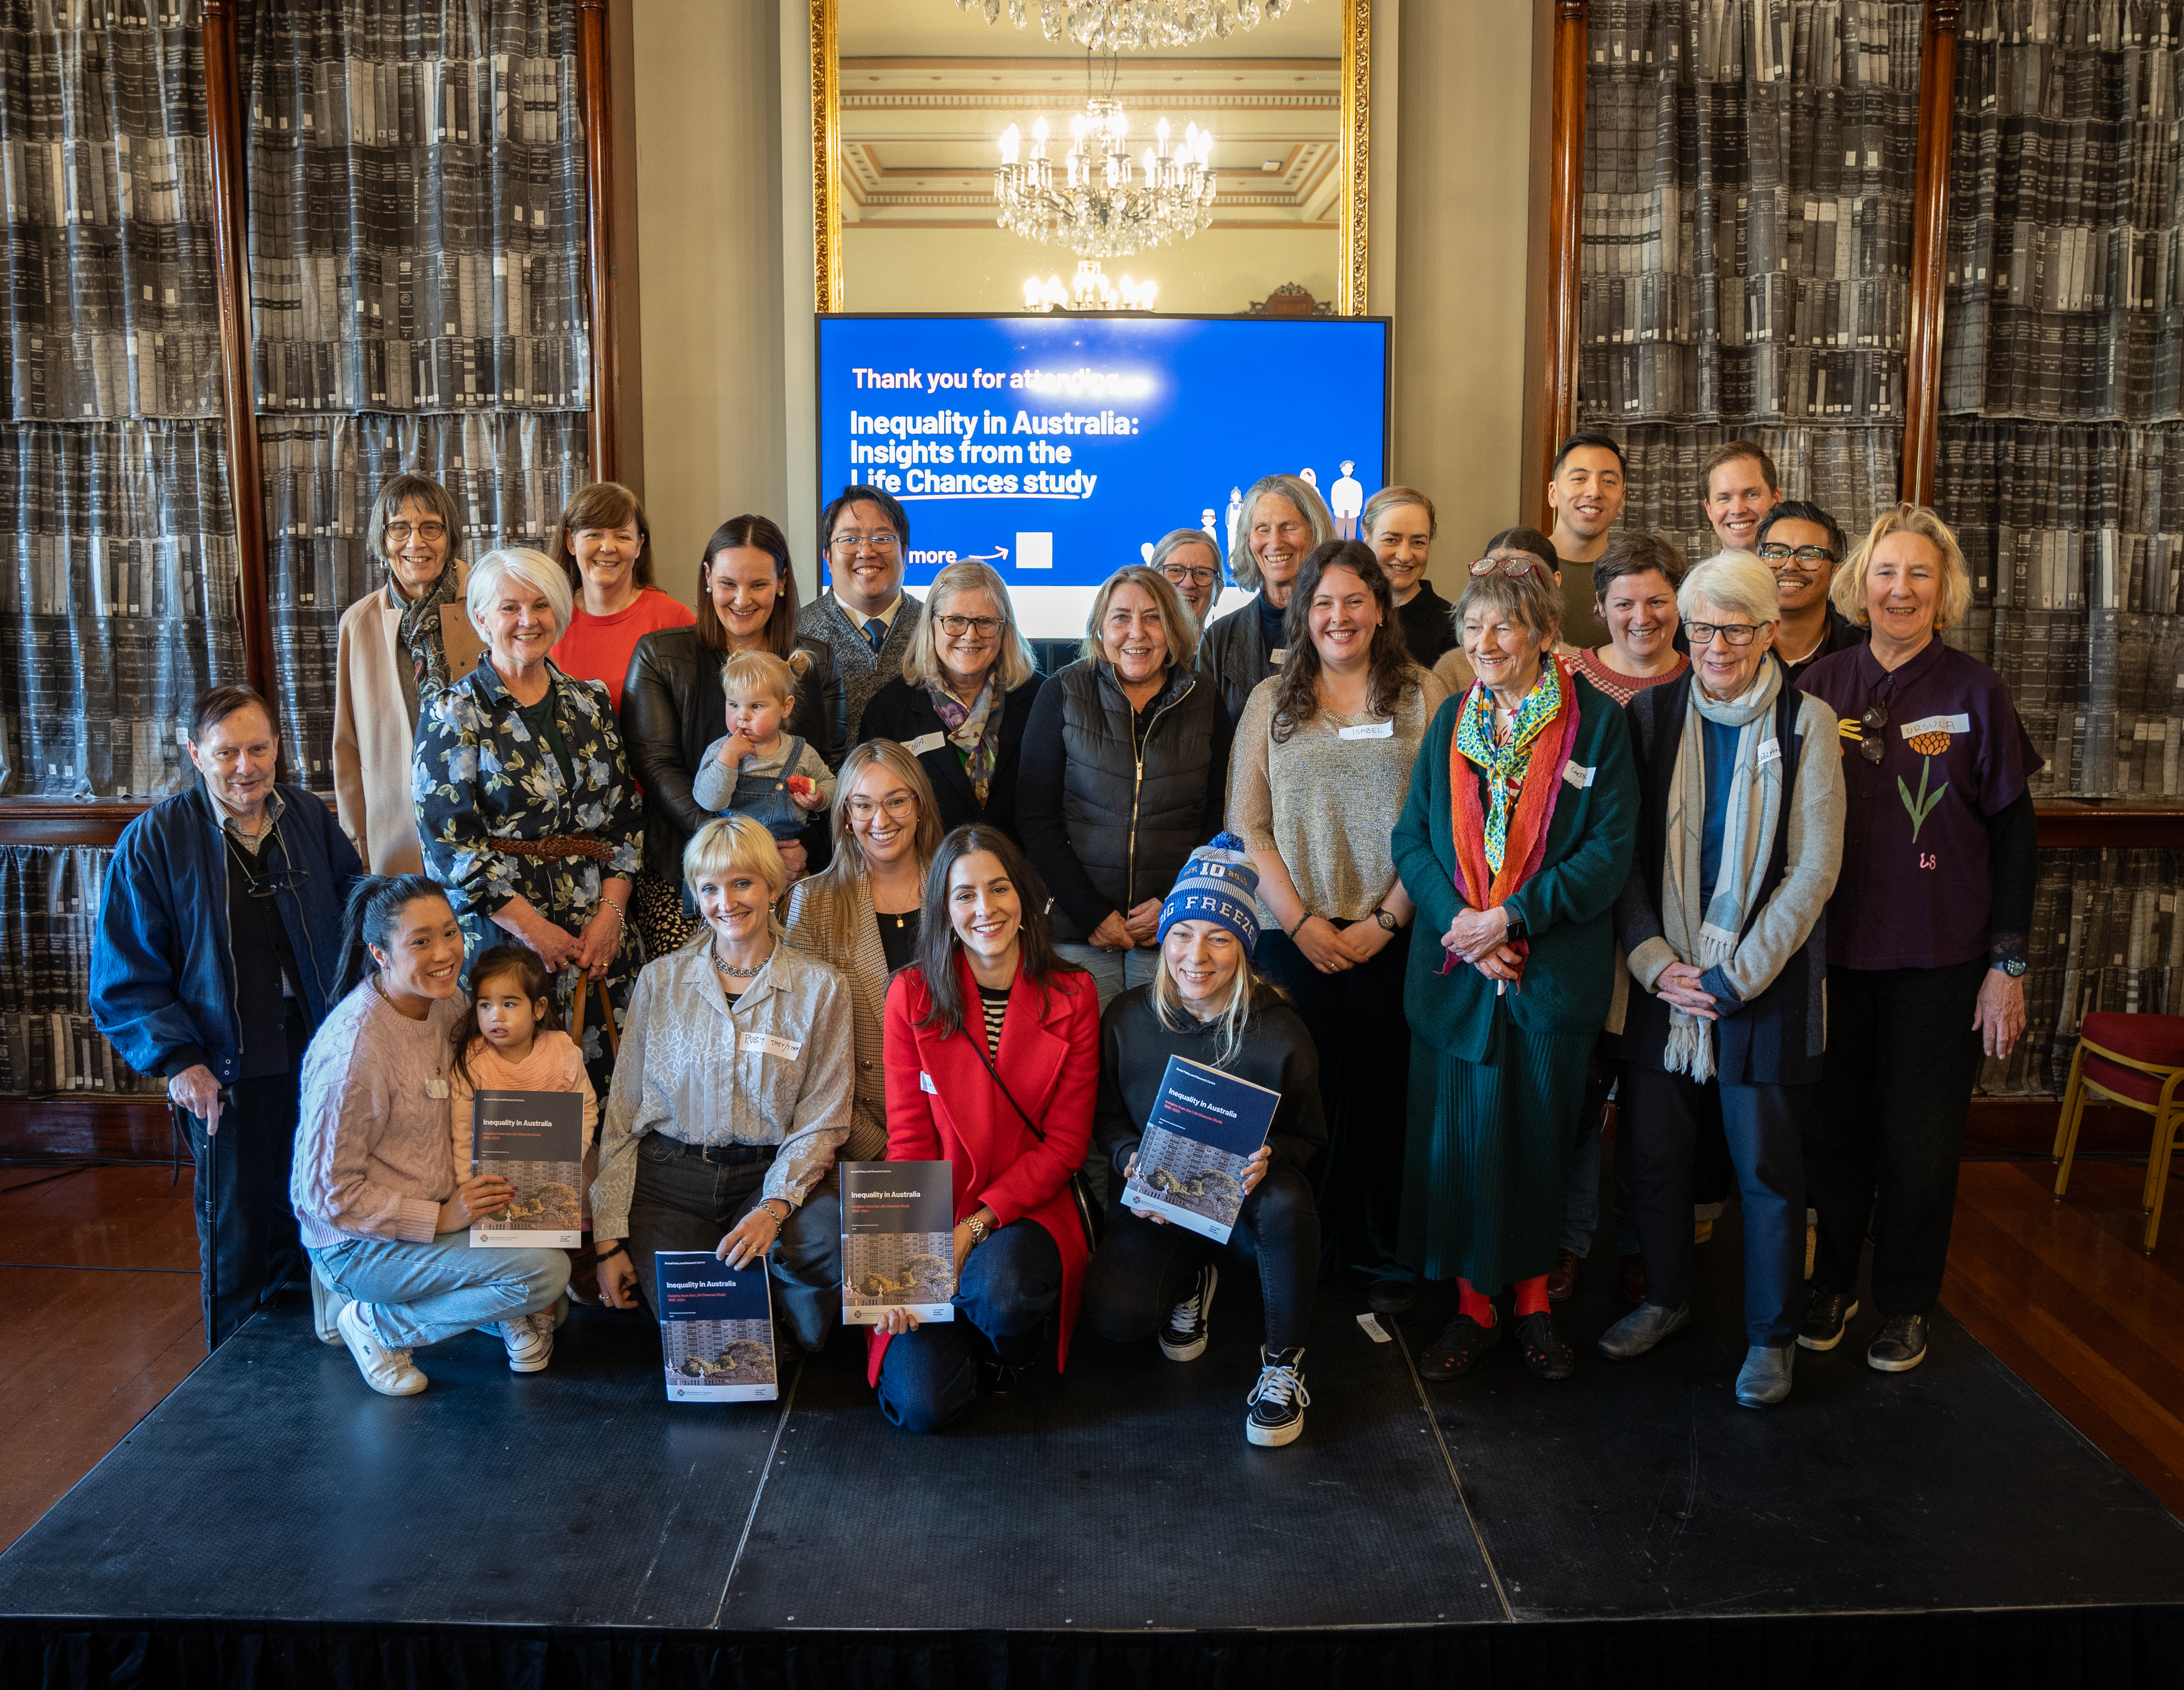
<point x="1827" y="1312"/>
<point x="1392" y="1296"/>
<point x="1462" y="1343"/>
<point x="1900" y="1346"/>
<point x="1542" y="1347"/>
<point x="1279" y="1400"/>
<point x="1183" y="1338"/>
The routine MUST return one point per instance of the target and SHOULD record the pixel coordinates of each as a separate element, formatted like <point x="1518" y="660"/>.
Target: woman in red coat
<point x="987" y="972"/>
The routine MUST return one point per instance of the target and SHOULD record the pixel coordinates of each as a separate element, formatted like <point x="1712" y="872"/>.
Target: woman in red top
<point x="1013" y="1112"/>
<point x="605" y="544"/>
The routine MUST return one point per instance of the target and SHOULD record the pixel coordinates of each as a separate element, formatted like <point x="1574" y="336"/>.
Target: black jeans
<point x="1887" y="1129"/>
<point x="1011" y="1287"/>
<point x="1663" y="1115"/>
<point x="248" y="1244"/>
<point x="1356" y="1019"/>
<point x="680" y="1202"/>
<point x="1143" y="1268"/>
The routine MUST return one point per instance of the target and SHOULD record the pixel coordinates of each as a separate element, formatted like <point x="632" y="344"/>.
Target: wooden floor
<point x="102" y="1318"/>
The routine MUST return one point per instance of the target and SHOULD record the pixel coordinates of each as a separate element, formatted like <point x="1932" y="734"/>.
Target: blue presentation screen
<point x="1060" y="448"/>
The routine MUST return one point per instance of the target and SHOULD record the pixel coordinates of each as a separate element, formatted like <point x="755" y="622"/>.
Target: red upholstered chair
<point x="2136" y="1061"/>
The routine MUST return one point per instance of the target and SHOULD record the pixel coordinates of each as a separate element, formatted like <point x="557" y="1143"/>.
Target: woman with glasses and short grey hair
<point x="964" y="697"/>
<point x="1192" y="563"/>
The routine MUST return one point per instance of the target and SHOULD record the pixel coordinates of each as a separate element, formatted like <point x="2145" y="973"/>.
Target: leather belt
<point x="729" y="1154"/>
<point x="558" y="845"/>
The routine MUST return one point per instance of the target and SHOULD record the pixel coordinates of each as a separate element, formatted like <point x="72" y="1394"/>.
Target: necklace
<point x="736" y="973"/>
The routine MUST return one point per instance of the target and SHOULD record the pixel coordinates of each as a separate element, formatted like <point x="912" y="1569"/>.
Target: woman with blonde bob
<point x="1124" y="769"/>
<point x="1926" y="930"/>
<point x="1207" y="1004"/>
<point x="963" y="698"/>
<point x="864" y="913"/>
<point x="733" y="1097"/>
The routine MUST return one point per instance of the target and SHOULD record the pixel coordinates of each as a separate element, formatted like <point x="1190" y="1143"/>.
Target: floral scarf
<point x="421" y="638"/>
<point x="975" y="730"/>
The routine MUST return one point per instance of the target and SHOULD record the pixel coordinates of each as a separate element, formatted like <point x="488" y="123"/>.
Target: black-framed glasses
<point x="1732" y="633"/>
<point x="850" y="543"/>
<point x="1872" y="727"/>
<point x="260" y="880"/>
<point x="957" y="627"/>
<point x="1516" y="563"/>
<point x="1183" y="575"/>
<point x="431" y="532"/>
<point x="1775" y="554"/>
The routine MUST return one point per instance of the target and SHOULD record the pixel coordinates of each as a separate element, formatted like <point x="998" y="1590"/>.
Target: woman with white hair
<point x="1740" y="833"/>
<point x="1926" y="931"/>
<point x="1192" y="563"/>
<point x="1282" y="521"/>
<point x="525" y="803"/>
<point x="964" y="697"/>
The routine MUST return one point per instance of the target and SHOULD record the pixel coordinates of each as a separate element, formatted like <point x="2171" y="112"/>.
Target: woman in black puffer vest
<point x="1124" y="772"/>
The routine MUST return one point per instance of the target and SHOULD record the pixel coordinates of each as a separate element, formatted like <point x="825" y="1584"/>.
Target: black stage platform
<point x="274" y="1523"/>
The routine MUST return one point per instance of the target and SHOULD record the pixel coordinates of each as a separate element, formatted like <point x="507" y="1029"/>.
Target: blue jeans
<point x="1113" y="972"/>
<point x="1011" y="1284"/>
<point x="410" y="1295"/>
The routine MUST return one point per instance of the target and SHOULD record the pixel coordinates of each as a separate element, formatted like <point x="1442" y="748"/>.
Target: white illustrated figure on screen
<point x="1206" y="521"/>
<point x="1345" y="500"/>
<point x="1145" y="551"/>
<point x="1235" y="514"/>
<point x="1309" y="476"/>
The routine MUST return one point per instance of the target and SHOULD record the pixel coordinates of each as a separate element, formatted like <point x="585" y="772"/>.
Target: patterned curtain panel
<point x="417" y="201"/>
<point x="1746" y="233"/>
<point x="48" y="903"/>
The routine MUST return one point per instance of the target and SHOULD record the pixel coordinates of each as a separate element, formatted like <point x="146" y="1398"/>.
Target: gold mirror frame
<point x="827" y="156"/>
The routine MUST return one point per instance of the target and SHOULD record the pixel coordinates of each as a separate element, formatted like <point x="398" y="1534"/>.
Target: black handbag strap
<point x="980" y="1048"/>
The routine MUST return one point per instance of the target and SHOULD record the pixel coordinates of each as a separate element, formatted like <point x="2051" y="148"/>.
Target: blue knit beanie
<point x="1220" y="884"/>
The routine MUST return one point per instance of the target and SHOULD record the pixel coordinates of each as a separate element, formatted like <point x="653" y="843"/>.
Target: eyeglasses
<point x="957" y="626"/>
<point x="882" y="544"/>
<point x="260" y="880"/>
<point x="1775" y="554"/>
<point x="1185" y="577"/>
<point x="1516" y="563"/>
<point x="899" y="806"/>
<point x="399" y="532"/>
<point x="1872" y="746"/>
<point x="1732" y="633"/>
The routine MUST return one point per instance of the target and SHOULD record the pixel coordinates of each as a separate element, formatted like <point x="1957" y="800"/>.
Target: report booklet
<point x="535" y="1140"/>
<point x="716" y="1328"/>
<point x="898" y="1240"/>
<point x="1204" y="1127"/>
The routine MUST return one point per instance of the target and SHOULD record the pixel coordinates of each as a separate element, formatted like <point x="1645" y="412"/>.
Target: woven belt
<point x="726" y="1154"/>
<point x="558" y="845"/>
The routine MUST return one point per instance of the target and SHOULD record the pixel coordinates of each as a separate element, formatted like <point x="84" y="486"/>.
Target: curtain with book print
<point x="1747" y="236"/>
<point x="417" y="200"/>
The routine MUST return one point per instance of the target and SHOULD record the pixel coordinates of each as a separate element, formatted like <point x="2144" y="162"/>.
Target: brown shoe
<point x="1634" y="1278"/>
<point x="1569" y="1264"/>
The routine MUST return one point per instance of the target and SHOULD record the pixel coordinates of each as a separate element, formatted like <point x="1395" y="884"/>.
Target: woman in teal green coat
<point x="1514" y="842"/>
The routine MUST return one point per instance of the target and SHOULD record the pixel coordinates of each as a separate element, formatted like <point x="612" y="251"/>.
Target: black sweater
<point x="1278" y="1053"/>
<point x="906" y="714"/>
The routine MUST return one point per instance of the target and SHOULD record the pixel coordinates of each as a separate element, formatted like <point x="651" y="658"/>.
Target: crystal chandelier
<point x="1095" y="204"/>
<point x="1130" y="25"/>
<point x="1091" y="291"/>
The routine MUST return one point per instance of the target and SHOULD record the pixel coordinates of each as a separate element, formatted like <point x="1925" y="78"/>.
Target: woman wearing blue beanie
<point x="1208" y="1005"/>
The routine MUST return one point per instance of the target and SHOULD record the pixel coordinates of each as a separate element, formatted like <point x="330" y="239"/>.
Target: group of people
<point x="854" y="880"/>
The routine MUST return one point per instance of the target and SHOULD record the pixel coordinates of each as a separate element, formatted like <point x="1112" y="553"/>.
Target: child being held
<point x="755" y="769"/>
<point x="512" y="1040"/>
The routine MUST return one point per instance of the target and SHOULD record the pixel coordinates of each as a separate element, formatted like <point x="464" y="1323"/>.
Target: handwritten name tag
<point x="1368" y="730"/>
<point x="925" y="1083"/>
<point x="1770" y="750"/>
<point x="1938" y="724"/>
<point x="1577" y="775"/>
<point x="1277" y="655"/>
<point x="436" y="1087"/>
<point x="772" y="1045"/>
<point x="926" y="742"/>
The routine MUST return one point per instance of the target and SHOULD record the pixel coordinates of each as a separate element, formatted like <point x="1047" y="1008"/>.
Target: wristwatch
<point x="1386" y="921"/>
<point x="2014" y="967"/>
<point x="980" y="1232"/>
<point x="1516" y="928"/>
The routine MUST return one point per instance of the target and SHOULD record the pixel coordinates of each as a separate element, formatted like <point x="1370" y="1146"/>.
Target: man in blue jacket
<point x="218" y="949"/>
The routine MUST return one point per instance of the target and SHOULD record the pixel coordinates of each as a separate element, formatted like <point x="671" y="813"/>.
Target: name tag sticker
<point x="1577" y="775"/>
<point x="1368" y="730"/>
<point x="1938" y="724"/>
<point x="1277" y="655"/>
<point x="925" y="1083"/>
<point x="771" y="1044"/>
<point x="436" y="1087"/>
<point x="1770" y="750"/>
<point x="926" y="742"/>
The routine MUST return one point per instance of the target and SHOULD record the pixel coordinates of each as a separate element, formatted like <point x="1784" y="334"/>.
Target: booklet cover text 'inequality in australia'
<point x="1206" y="1126"/>
<point x="535" y="1140"/>
<point x="716" y="1328"/>
<point x="898" y="1240"/>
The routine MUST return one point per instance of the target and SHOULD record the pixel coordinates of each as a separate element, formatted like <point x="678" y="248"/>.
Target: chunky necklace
<point x="736" y="973"/>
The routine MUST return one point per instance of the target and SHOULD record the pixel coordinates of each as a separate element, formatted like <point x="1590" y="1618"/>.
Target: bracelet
<point x="610" y="904"/>
<point x="610" y="1252"/>
<point x="1299" y="927"/>
<point x="779" y="1220"/>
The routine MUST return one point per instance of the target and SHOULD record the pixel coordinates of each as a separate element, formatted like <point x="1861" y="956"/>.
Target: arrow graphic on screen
<point x="998" y="553"/>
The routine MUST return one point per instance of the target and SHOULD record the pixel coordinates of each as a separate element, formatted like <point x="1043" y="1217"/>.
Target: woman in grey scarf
<point x="1740" y="835"/>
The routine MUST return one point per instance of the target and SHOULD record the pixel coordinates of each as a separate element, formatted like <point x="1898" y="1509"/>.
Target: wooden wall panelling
<point x="1929" y="250"/>
<point x="594" y="66"/>
<point x="1558" y="409"/>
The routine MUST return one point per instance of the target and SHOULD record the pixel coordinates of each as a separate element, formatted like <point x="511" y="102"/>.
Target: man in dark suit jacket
<point x="866" y="618"/>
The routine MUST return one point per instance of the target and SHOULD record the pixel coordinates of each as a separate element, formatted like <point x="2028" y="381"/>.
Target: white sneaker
<point x="554" y="1319"/>
<point x="530" y="1343"/>
<point x="1184" y="1336"/>
<point x="327" y="1305"/>
<point x="389" y="1372"/>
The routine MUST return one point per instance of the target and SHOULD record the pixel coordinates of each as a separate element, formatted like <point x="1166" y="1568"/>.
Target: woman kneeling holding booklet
<point x="1207" y="1006"/>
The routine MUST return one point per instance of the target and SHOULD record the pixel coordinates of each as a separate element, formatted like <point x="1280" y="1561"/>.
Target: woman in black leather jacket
<point x="672" y="708"/>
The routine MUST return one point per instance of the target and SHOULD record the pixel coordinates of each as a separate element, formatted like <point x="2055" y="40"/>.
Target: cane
<point x="584" y="986"/>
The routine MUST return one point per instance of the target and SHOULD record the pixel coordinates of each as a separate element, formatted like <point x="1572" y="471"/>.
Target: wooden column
<point x="246" y="475"/>
<point x="1565" y="202"/>
<point x="598" y="241"/>
<point x="1929" y="251"/>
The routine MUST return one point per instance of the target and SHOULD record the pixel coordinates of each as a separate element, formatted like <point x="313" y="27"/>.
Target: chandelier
<point x="1130" y="25"/>
<point x="1091" y="291"/>
<point x="1095" y="204"/>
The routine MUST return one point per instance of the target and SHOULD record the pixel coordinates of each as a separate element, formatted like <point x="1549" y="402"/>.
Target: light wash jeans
<point x="410" y="1295"/>
<point x="1113" y="972"/>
